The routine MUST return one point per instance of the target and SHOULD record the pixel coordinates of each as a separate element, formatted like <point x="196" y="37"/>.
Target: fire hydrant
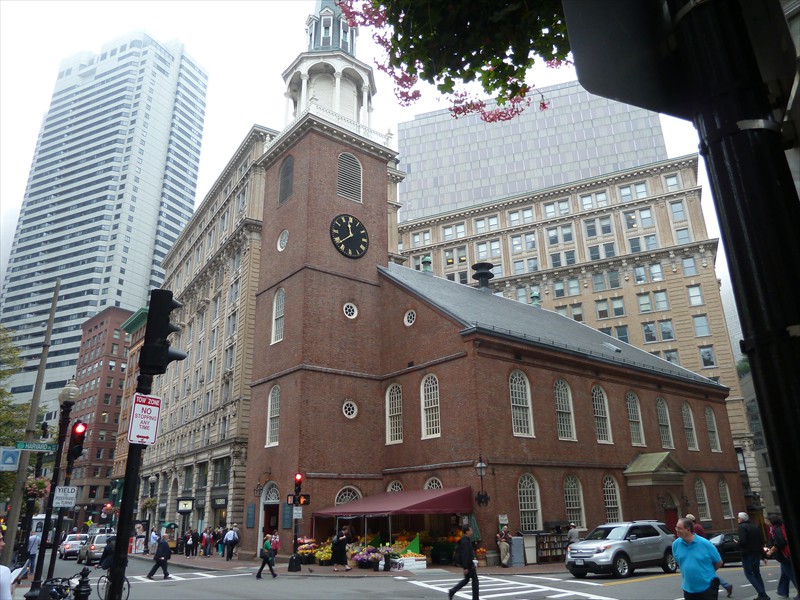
<point x="83" y="590"/>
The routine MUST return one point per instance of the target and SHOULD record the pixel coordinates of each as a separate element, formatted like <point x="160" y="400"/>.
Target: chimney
<point x="483" y="273"/>
<point x="426" y="265"/>
<point x="535" y="301"/>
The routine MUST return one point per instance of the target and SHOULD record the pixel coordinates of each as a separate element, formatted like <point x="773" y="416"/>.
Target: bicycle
<point x="102" y="586"/>
<point x="62" y="588"/>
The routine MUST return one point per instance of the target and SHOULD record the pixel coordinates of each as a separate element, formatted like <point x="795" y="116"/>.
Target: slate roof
<point x="484" y="312"/>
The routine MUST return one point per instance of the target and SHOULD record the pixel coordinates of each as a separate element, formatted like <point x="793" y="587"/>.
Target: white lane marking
<point x="492" y="587"/>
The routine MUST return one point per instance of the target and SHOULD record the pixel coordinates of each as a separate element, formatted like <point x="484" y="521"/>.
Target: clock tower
<point x="329" y="207"/>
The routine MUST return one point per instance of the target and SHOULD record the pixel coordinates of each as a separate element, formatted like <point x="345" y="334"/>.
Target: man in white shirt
<point x="230" y="540"/>
<point x="6" y="589"/>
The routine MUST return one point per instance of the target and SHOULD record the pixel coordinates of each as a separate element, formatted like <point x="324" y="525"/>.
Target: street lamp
<point x="481" y="497"/>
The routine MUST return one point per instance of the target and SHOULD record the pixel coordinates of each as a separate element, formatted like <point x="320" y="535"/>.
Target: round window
<point x="350" y="310"/>
<point x="409" y="318"/>
<point x="283" y="240"/>
<point x="349" y="409"/>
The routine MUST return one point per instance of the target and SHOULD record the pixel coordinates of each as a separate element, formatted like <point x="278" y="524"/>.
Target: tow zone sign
<point x="145" y="413"/>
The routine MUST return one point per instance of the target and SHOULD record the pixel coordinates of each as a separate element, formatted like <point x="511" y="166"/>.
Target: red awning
<point x="414" y="502"/>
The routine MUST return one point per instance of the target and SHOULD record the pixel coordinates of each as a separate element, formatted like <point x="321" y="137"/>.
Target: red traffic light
<point x="298" y="483"/>
<point x="76" y="439"/>
<point x="108" y="505"/>
<point x="79" y="428"/>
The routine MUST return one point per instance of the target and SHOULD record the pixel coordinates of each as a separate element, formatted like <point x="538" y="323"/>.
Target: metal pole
<point x="59" y="522"/>
<point x="30" y="436"/>
<point x="125" y="520"/>
<point x="758" y="209"/>
<point x="63" y="427"/>
<point x="30" y="505"/>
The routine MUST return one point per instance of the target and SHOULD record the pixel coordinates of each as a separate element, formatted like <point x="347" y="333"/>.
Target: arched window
<point x="431" y="423"/>
<point x="394" y="414"/>
<point x="434" y="483"/>
<point x="711" y="426"/>
<point x="664" y="426"/>
<point x="565" y="420"/>
<point x="521" y="411"/>
<point x="271" y="494"/>
<point x="286" y="180"/>
<point x="530" y="518"/>
<point x="348" y="178"/>
<point x="688" y="425"/>
<point x="602" y="423"/>
<point x="702" y="500"/>
<point x="573" y="500"/>
<point x="634" y="419"/>
<point x="395" y="486"/>
<point x="274" y="416"/>
<point x="347" y="494"/>
<point x="277" y="315"/>
<point x="725" y="499"/>
<point x="611" y="499"/>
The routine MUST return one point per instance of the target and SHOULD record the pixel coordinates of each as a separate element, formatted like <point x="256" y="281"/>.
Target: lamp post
<point x="482" y="498"/>
<point x="67" y="399"/>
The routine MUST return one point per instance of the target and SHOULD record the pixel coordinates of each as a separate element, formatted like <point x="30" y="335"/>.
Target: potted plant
<point x="36" y="487"/>
<point x="480" y="554"/>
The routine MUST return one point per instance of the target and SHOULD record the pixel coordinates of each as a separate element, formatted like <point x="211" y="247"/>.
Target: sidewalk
<point x="243" y="562"/>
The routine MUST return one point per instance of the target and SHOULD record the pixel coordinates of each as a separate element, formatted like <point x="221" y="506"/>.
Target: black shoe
<point x="258" y="576"/>
<point x="167" y="577"/>
<point x="274" y="574"/>
<point x="150" y="577"/>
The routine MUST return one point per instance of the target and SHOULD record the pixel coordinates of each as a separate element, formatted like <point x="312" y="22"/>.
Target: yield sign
<point x="143" y="426"/>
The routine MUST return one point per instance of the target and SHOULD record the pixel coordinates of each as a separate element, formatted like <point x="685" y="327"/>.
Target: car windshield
<point x="717" y="539"/>
<point x="608" y="533"/>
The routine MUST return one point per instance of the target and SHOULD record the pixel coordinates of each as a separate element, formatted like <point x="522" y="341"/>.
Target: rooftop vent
<point x="483" y="273"/>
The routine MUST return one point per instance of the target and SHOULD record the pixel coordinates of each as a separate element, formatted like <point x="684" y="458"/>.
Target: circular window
<point x="283" y="240"/>
<point x="409" y="318"/>
<point x="350" y="310"/>
<point x="349" y="409"/>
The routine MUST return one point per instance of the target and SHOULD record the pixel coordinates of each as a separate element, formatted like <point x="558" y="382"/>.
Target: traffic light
<point x="305" y="499"/>
<point x="156" y="353"/>
<point x="76" y="439"/>
<point x="298" y="483"/>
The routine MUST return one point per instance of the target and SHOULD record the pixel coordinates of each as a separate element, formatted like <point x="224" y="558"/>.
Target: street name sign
<point x="65" y="496"/>
<point x="143" y="427"/>
<point x="37" y="446"/>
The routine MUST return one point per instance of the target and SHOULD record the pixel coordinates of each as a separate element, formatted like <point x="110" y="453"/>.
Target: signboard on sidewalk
<point x="65" y="496"/>
<point x="143" y="426"/>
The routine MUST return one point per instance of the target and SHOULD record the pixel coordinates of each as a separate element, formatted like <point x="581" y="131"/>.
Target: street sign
<point x="9" y="459"/>
<point x="143" y="426"/>
<point x="297" y="513"/>
<point x="37" y="446"/>
<point x="65" y="496"/>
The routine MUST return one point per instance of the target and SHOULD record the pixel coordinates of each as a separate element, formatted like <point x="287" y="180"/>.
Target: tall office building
<point x="111" y="186"/>
<point x="456" y="163"/>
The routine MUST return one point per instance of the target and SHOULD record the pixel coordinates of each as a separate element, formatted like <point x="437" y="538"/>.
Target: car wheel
<point x="578" y="574"/>
<point x="622" y="566"/>
<point x="669" y="566"/>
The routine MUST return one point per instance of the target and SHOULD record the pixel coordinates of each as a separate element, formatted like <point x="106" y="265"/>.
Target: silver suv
<point x="620" y="548"/>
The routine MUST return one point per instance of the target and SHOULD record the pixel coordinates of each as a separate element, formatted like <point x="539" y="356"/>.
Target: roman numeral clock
<point x="349" y="236"/>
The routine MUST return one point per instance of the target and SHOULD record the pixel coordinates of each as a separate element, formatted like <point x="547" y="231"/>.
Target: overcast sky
<point x="244" y="46"/>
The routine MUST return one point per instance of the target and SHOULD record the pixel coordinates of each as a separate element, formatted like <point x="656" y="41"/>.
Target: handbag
<point x="265" y="554"/>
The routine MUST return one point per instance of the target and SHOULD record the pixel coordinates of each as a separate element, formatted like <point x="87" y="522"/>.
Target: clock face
<point x="185" y="504"/>
<point x="283" y="239"/>
<point x="349" y="236"/>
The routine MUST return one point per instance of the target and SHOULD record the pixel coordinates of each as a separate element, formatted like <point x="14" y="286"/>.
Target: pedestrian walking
<point x="751" y="542"/>
<point x="698" y="530"/>
<point x="339" y="548"/>
<point x="218" y="541"/>
<point x="275" y="542"/>
<point x="33" y="548"/>
<point x="229" y="541"/>
<point x="778" y="548"/>
<point x="161" y="557"/>
<point x="465" y="554"/>
<point x="267" y="557"/>
<point x="188" y="540"/>
<point x="6" y="585"/>
<point x="699" y="560"/>
<point x="195" y="542"/>
<point x="153" y="541"/>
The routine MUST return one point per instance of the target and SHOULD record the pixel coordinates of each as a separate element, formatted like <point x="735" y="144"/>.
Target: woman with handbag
<point x="339" y="548"/>
<point x="266" y="557"/>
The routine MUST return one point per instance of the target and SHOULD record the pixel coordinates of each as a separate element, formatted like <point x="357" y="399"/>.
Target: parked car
<point x="728" y="546"/>
<point x="620" y="548"/>
<point x="93" y="548"/>
<point x="71" y="544"/>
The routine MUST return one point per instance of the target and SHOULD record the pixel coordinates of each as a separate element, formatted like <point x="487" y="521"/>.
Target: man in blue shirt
<point x="699" y="560"/>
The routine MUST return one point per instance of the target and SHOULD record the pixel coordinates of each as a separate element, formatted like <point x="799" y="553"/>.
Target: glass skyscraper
<point x="111" y="186"/>
<point x="452" y="163"/>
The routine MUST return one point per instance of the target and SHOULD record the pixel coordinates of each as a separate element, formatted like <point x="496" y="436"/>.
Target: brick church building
<point x="371" y="377"/>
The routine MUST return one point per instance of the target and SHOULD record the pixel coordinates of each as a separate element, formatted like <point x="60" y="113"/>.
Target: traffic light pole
<point x="45" y="595"/>
<point x="63" y="427"/>
<point x="125" y="519"/>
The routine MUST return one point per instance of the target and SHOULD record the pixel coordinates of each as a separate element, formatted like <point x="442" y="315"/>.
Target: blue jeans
<point x="750" y="564"/>
<point x="787" y="575"/>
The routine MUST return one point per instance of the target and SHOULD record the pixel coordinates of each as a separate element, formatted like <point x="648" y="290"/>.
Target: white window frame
<point x="430" y="411"/>
<point x="713" y="431"/>
<point x="602" y="419"/>
<point x="530" y="512"/>
<point x="565" y="417"/>
<point x="521" y="407"/>
<point x="635" y="419"/>
<point x="703" y="512"/>
<point x="664" y="424"/>
<point x="394" y="414"/>
<point x="278" y="314"/>
<point x="611" y="500"/>
<point x="573" y="501"/>
<point x="273" y="416"/>
<point x="688" y="426"/>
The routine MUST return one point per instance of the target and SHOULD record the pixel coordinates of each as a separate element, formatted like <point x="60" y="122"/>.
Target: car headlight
<point x="601" y="549"/>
